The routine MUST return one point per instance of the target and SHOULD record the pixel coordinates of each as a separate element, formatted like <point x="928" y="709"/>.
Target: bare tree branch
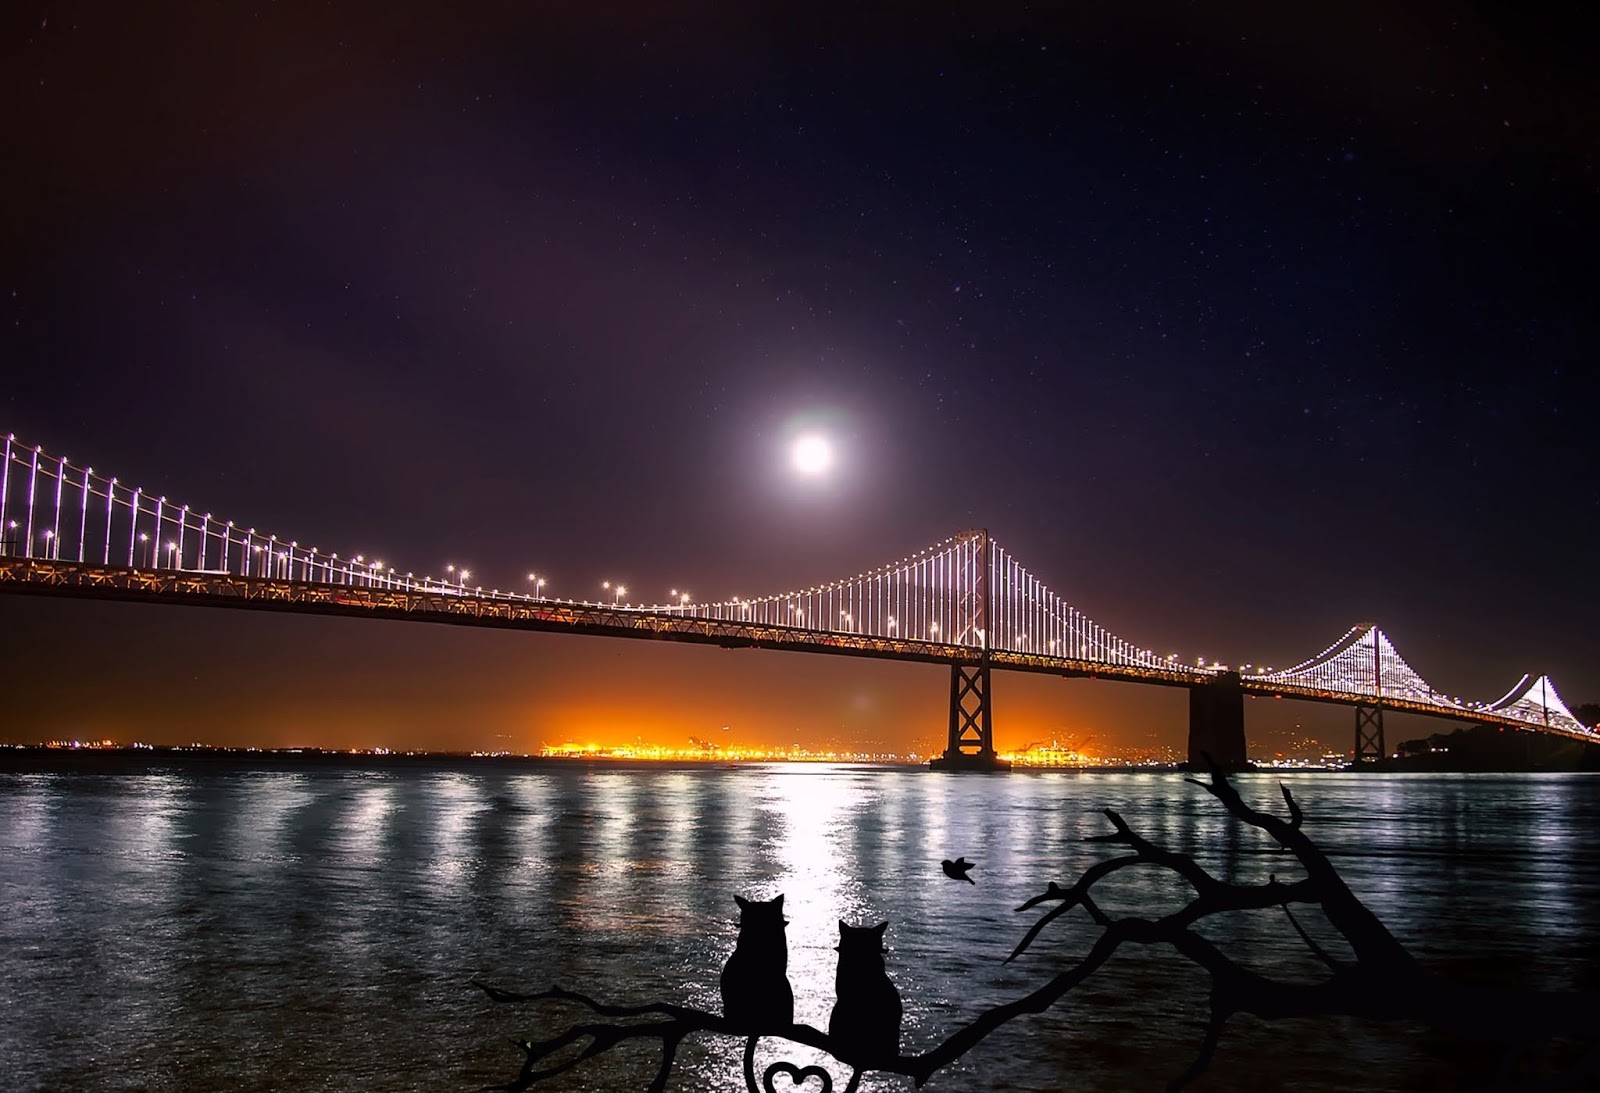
<point x="1367" y="936"/>
<point x="1216" y="1020"/>
<point x="1317" y="950"/>
<point x="1295" y="815"/>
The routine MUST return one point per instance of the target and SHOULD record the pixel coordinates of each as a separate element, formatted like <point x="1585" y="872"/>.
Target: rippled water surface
<point x="215" y="926"/>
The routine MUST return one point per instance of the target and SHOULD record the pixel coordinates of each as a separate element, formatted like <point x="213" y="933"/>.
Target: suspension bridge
<point x="966" y="602"/>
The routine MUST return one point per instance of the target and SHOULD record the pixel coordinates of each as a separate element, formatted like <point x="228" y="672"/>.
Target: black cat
<point x="865" y="1023"/>
<point x="755" y="981"/>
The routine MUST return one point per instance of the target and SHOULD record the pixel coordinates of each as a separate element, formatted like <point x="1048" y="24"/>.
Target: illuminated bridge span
<point x="965" y="602"/>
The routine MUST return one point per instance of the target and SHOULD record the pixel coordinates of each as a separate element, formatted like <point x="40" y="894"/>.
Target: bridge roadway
<point x="439" y="604"/>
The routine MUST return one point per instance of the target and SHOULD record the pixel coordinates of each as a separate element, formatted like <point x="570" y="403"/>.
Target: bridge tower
<point x="970" y="744"/>
<point x="1369" y="719"/>
<point x="1369" y="735"/>
<point x="1216" y="724"/>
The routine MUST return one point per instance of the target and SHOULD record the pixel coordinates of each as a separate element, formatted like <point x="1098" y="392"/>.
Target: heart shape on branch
<point x="798" y="1076"/>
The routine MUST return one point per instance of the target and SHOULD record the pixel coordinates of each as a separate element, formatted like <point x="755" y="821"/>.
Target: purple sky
<point x="1237" y="326"/>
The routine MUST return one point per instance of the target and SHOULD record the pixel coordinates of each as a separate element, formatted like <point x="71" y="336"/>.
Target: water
<point x="204" y="926"/>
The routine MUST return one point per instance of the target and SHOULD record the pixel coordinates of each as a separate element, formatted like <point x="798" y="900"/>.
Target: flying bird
<point x="957" y="870"/>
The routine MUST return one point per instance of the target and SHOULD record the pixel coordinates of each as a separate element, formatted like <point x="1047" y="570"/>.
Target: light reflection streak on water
<point x="615" y="851"/>
<point x="677" y="792"/>
<point x="28" y="820"/>
<point x="28" y="839"/>
<point x="363" y="830"/>
<point x="528" y="856"/>
<point x="814" y="815"/>
<point x="261" y="821"/>
<point x="451" y="802"/>
<point x="147" y="821"/>
<point x="603" y="855"/>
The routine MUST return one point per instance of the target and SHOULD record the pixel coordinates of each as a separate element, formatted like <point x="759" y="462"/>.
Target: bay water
<point x="274" y="925"/>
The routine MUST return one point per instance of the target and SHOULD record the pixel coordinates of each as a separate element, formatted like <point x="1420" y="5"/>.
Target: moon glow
<point x="811" y="455"/>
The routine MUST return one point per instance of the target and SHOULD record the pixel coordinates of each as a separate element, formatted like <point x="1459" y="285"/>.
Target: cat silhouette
<point x="756" y="995"/>
<point x="865" y="1023"/>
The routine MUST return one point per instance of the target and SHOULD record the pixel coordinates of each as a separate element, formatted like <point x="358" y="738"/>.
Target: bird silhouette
<point x="957" y="870"/>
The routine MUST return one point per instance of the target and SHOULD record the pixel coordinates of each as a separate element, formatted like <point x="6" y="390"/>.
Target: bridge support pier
<point x="1216" y="724"/>
<point x="1369" y="735"/>
<point x="971" y="742"/>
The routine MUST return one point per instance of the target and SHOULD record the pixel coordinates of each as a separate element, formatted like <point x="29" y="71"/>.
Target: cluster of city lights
<point x="1324" y="762"/>
<point x="1050" y="755"/>
<point x="666" y="753"/>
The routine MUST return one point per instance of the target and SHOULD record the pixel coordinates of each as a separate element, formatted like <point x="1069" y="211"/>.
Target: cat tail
<point x="797" y="1075"/>
<point x="750" y="1065"/>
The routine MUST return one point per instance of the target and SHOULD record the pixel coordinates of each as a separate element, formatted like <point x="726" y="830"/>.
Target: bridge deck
<point x="416" y="604"/>
<point x="441" y="605"/>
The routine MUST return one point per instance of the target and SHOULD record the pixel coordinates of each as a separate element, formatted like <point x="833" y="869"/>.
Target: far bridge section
<point x="1363" y="669"/>
<point x="964" y="602"/>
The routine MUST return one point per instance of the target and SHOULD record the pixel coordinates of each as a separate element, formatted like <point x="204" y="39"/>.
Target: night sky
<point x="1237" y="324"/>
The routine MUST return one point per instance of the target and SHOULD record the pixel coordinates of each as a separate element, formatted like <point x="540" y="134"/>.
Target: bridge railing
<point x="966" y="590"/>
<point x="927" y="596"/>
<point x="53" y="509"/>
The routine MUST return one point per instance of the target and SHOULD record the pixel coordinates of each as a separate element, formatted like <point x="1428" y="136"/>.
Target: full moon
<point x="811" y="455"/>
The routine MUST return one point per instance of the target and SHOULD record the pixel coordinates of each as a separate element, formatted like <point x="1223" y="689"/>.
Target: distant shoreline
<point x="89" y="759"/>
<point x="25" y="759"/>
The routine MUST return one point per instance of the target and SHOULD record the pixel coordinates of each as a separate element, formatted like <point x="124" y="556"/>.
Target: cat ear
<point x="879" y="929"/>
<point x="842" y="926"/>
<point x="778" y="903"/>
<point x="743" y="903"/>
